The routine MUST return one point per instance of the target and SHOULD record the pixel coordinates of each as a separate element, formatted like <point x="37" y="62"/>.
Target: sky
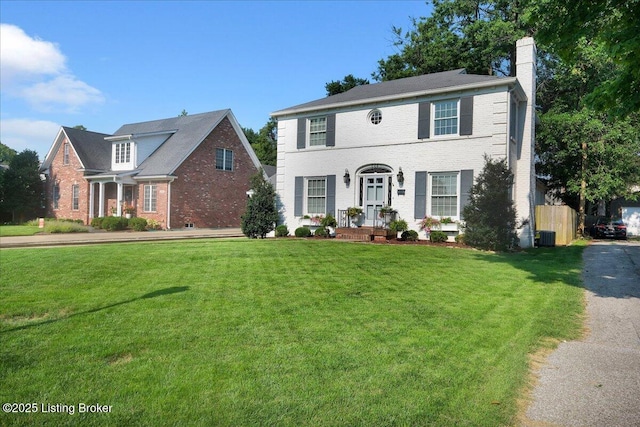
<point x="103" y="64"/>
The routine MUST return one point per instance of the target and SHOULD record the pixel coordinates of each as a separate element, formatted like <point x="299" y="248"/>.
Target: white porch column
<point x="119" y="200"/>
<point x="101" y="199"/>
<point x="90" y="201"/>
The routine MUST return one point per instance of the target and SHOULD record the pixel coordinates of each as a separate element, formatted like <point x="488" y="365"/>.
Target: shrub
<point x="460" y="238"/>
<point x="114" y="223"/>
<point x="398" y="225"/>
<point x="409" y="235"/>
<point x="282" y="231"/>
<point x="97" y="222"/>
<point x="65" y="227"/>
<point x="138" y="224"/>
<point x="438" y="236"/>
<point x="321" y="232"/>
<point x="261" y="214"/>
<point x="152" y="224"/>
<point x="303" y="232"/>
<point x="490" y="215"/>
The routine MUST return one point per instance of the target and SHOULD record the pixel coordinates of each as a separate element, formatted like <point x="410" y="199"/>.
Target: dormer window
<point x="123" y="152"/>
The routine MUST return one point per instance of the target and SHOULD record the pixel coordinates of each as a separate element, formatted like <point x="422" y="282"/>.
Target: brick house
<point x="188" y="171"/>
<point x="414" y="144"/>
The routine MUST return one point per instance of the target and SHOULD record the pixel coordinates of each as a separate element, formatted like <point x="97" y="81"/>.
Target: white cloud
<point x="63" y="91"/>
<point x="22" y="134"/>
<point x="35" y="70"/>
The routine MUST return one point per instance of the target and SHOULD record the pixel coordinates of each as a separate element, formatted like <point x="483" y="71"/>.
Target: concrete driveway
<point x="596" y="381"/>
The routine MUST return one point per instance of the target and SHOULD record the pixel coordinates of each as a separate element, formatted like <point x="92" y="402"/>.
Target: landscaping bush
<point x="398" y="225"/>
<point x="303" y="232"/>
<point x="114" y="223"/>
<point x="97" y="222"/>
<point x="138" y="224"/>
<point x="322" y="232"/>
<point x="282" y="231"/>
<point x="438" y="236"/>
<point x="65" y="227"/>
<point x="409" y="235"/>
<point x="261" y="214"/>
<point x="460" y="238"/>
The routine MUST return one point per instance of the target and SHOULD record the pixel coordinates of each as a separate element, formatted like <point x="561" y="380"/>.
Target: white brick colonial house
<point x="415" y="144"/>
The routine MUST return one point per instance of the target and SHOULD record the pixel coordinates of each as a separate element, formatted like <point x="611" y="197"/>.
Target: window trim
<point x="227" y="160"/>
<point x="307" y="197"/>
<point x="150" y="198"/>
<point x="65" y="154"/>
<point x="431" y="194"/>
<point x="55" y="196"/>
<point x="435" y="120"/>
<point x="123" y="153"/>
<point x="75" y="197"/>
<point x="323" y="131"/>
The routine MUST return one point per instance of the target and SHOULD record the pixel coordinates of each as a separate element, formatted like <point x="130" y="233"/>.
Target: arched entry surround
<point x="374" y="184"/>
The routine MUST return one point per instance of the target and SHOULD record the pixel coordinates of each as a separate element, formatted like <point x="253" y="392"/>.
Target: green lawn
<point x="278" y="332"/>
<point x="19" y="230"/>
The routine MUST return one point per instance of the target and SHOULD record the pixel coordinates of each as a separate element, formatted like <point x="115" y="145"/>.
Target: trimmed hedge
<point x="438" y="236"/>
<point x="303" y="232"/>
<point x="138" y="224"/>
<point x="282" y="231"/>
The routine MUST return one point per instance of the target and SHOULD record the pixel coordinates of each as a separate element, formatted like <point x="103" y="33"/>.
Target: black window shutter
<point x="302" y="133"/>
<point x="420" y="201"/>
<point x="298" y="195"/>
<point x="331" y="130"/>
<point x="424" y="119"/>
<point x="466" y="115"/>
<point x="466" y="182"/>
<point x="331" y="195"/>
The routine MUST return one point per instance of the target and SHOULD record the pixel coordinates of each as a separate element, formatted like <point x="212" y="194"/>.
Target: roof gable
<point x="91" y="148"/>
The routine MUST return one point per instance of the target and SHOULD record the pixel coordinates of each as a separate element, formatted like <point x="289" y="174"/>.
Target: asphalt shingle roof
<point x="190" y="132"/>
<point x="398" y="87"/>
<point x="93" y="150"/>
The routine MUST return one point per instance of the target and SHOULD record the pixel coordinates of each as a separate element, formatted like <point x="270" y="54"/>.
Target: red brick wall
<point x="66" y="176"/>
<point x="205" y="196"/>
<point x="160" y="214"/>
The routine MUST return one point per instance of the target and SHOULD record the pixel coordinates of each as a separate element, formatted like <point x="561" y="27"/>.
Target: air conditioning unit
<point x="545" y="238"/>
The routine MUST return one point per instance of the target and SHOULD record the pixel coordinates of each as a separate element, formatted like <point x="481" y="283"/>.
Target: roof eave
<point x="509" y="81"/>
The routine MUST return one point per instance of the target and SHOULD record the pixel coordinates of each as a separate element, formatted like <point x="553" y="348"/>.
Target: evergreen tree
<point x="490" y="215"/>
<point x="23" y="189"/>
<point x="261" y="214"/>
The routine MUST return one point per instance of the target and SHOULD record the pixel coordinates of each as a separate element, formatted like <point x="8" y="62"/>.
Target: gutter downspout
<point x="169" y="205"/>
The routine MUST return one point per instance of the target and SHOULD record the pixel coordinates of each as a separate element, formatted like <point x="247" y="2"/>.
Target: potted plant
<point x="387" y="213"/>
<point x="398" y="226"/>
<point x="128" y="210"/>
<point x="354" y="214"/>
<point x="329" y="223"/>
<point x="429" y="223"/>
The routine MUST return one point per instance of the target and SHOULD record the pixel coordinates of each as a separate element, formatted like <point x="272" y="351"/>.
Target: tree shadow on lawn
<point x="608" y="271"/>
<point x="154" y="294"/>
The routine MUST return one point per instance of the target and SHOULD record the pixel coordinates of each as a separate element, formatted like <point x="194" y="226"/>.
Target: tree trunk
<point x="583" y="190"/>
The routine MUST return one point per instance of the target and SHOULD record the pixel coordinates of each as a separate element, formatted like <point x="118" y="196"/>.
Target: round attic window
<point x="375" y="116"/>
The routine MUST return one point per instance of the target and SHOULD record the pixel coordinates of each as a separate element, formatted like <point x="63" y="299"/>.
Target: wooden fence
<point x="561" y="219"/>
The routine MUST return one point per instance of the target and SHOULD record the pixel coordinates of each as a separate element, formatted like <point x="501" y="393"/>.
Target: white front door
<point x="374" y="196"/>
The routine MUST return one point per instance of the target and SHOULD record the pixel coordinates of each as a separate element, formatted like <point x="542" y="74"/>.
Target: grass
<point x="19" y="230"/>
<point x="279" y="332"/>
<point x="50" y="226"/>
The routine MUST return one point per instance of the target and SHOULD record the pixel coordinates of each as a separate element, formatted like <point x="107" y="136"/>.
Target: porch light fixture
<point x="346" y="177"/>
<point x="400" y="176"/>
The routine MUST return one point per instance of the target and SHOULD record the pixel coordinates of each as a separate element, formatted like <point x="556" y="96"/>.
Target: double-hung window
<point x="316" y="195"/>
<point x="444" y="194"/>
<point x="150" y="198"/>
<point x="55" y="195"/>
<point x="123" y="152"/>
<point x="224" y="159"/>
<point x="75" y="197"/>
<point x="65" y="154"/>
<point x="318" y="131"/>
<point x="445" y="118"/>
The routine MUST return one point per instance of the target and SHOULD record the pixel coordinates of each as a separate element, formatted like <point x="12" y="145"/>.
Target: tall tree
<point x="473" y="34"/>
<point x="588" y="155"/>
<point x="6" y="154"/>
<point x="349" y="82"/>
<point x="264" y="142"/>
<point x="23" y="189"/>
<point x="614" y="25"/>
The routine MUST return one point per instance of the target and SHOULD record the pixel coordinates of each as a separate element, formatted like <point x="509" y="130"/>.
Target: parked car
<point x="609" y="228"/>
